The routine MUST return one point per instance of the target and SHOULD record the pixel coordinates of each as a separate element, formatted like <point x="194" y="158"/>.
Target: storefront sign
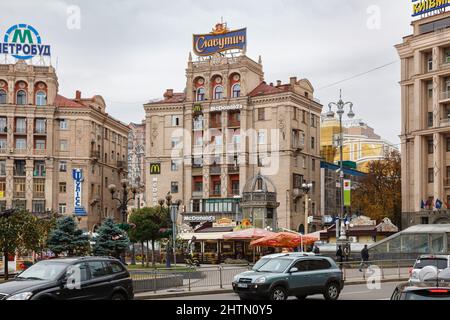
<point x="23" y="42"/>
<point x="225" y="223"/>
<point x="155" y="168"/>
<point x="77" y="175"/>
<point x="155" y="192"/>
<point x="219" y="40"/>
<point x="197" y="108"/>
<point x="225" y="108"/>
<point x="421" y="7"/>
<point x="347" y="193"/>
<point x="199" y="219"/>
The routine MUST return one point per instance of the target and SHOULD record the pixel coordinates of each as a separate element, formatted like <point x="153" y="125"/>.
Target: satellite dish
<point x="428" y="273"/>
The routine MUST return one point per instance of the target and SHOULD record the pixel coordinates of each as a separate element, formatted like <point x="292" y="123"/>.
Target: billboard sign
<point x="422" y="7"/>
<point x="78" y="178"/>
<point x="23" y="42"/>
<point x="219" y="40"/>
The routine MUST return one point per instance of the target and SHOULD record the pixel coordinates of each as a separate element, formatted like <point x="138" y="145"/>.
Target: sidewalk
<point x="183" y="292"/>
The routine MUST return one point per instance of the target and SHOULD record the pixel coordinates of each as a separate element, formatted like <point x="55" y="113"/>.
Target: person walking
<point x="339" y="254"/>
<point x="364" y="258"/>
<point x="316" y="249"/>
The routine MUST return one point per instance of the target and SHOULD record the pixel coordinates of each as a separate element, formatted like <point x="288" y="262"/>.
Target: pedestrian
<point x="339" y="254"/>
<point x="316" y="249"/>
<point x="364" y="258"/>
<point x="347" y="252"/>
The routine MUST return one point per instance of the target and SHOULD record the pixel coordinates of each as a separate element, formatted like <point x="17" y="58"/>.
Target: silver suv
<point x="441" y="262"/>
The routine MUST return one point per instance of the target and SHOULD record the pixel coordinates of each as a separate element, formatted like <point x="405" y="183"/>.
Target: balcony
<point x="215" y="193"/>
<point x="19" y="194"/>
<point x="215" y="170"/>
<point x="445" y="96"/>
<point x="21" y="131"/>
<point x="40" y="152"/>
<point x="447" y="182"/>
<point x="233" y="168"/>
<point x="40" y="131"/>
<point x="3" y="151"/>
<point x="197" y="194"/>
<point x="20" y="151"/>
<point x="39" y="194"/>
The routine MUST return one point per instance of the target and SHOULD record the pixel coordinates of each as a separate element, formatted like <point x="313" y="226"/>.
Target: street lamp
<point x="128" y="194"/>
<point x="340" y="105"/>
<point x="173" y="208"/>
<point x="306" y="187"/>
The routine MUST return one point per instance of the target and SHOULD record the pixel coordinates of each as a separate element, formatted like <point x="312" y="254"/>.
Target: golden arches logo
<point x="155" y="168"/>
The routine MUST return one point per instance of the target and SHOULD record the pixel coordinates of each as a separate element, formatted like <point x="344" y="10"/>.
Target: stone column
<point x="419" y="172"/>
<point x="9" y="194"/>
<point x="438" y="167"/>
<point x="29" y="166"/>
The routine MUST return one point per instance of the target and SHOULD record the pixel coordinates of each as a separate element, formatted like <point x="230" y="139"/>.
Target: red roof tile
<point x="265" y="89"/>
<point x="61" y="101"/>
<point x="176" y="98"/>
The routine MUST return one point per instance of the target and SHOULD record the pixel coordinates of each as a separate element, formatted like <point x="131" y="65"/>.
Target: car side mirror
<point x="293" y="270"/>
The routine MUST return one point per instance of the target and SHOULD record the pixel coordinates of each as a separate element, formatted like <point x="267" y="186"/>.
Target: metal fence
<point x="221" y="277"/>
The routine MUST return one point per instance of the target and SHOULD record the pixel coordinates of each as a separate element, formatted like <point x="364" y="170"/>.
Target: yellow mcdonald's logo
<point x="155" y="168"/>
<point x="197" y="108"/>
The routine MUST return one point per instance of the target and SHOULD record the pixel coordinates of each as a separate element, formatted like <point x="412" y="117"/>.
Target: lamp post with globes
<point x="306" y="187"/>
<point x="340" y="106"/>
<point x="124" y="197"/>
<point x="173" y="209"/>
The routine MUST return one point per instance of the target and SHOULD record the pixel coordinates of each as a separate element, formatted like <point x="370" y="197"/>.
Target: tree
<point x="17" y="234"/>
<point x="111" y="240"/>
<point x="379" y="194"/>
<point x="149" y="224"/>
<point x="67" y="239"/>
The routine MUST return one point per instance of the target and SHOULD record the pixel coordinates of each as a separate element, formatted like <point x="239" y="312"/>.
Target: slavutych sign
<point x="219" y="40"/>
<point x="23" y="42"/>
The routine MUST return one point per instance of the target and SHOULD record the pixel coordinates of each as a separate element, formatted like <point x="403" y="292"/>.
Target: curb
<point x="222" y="291"/>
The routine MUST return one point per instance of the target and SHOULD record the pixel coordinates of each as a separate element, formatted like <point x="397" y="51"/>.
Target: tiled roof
<point x="61" y="101"/>
<point x="265" y="89"/>
<point x="176" y="98"/>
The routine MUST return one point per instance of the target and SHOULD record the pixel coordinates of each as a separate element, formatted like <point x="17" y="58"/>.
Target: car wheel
<point x="331" y="291"/>
<point x="301" y="297"/>
<point x="118" y="297"/>
<point x="278" y="293"/>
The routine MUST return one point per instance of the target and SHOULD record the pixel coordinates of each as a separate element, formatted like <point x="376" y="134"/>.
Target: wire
<point x="358" y="75"/>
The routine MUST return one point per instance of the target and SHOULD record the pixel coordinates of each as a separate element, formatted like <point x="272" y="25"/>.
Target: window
<point x="62" y="166"/>
<point x="40" y="126"/>
<point x="175" y="165"/>
<point x="62" y="208"/>
<point x="38" y="206"/>
<point x="3" y="144"/>
<point x="448" y="144"/>
<point x="236" y="90"/>
<point x="430" y="62"/>
<point x="430" y="90"/>
<point x="3" y="125"/>
<point x="298" y="181"/>
<point x="40" y="144"/>
<point x="21" y="143"/>
<point x="63" y="145"/>
<point x="235" y="187"/>
<point x="62" y="187"/>
<point x="313" y="121"/>
<point x="21" y="97"/>
<point x="2" y="167"/>
<point x="3" y="97"/>
<point x="430" y="119"/>
<point x="175" y="121"/>
<point x="63" y="124"/>
<point x="19" y="168"/>
<point x="313" y="143"/>
<point x="261" y="114"/>
<point x="98" y="269"/>
<point x="216" y="186"/>
<point x="261" y="137"/>
<point x="447" y="56"/>
<point x="218" y="92"/>
<point x="39" y="169"/>
<point x="430" y="146"/>
<point x="115" y="267"/>
<point x="321" y="264"/>
<point x="174" y="187"/>
<point x="303" y="116"/>
<point x="201" y="94"/>
<point x="21" y="125"/>
<point x="313" y="165"/>
<point x="41" y="98"/>
<point x="175" y="142"/>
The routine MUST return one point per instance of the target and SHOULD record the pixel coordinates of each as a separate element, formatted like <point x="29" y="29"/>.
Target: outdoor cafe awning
<point x="203" y="236"/>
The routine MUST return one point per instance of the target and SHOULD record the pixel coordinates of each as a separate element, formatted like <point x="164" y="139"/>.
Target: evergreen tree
<point x="111" y="240"/>
<point x="67" y="239"/>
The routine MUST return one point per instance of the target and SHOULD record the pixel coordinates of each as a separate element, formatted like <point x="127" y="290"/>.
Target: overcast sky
<point x="131" y="51"/>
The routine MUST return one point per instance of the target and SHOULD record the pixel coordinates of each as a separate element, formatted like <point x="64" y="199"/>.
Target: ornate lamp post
<point x="127" y="194"/>
<point x="306" y="187"/>
<point x="173" y="208"/>
<point x="340" y="105"/>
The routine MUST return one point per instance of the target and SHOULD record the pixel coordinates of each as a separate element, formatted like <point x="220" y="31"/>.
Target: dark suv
<point x="278" y="276"/>
<point x="88" y="278"/>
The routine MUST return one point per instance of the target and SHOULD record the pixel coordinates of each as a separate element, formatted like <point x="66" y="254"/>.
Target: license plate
<point x="242" y="285"/>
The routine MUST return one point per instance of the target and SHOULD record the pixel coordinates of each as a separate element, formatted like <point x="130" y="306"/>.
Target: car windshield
<point x="439" y="263"/>
<point x="43" y="271"/>
<point x="273" y="265"/>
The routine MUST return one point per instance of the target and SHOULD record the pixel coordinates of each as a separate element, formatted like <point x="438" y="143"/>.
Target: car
<point x="407" y="291"/>
<point x="84" y="278"/>
<point x="278" y="276"/>
<point x="441" y="262"/>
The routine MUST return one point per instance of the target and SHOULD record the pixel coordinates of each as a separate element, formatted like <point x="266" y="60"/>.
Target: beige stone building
<point x="227" y="126"/>
<point x="425" y="86"/>
<point x="45" y="136"/>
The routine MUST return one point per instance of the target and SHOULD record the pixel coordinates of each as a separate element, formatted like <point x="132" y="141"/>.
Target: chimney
<point x="78" y="95"/>
<point x="278" y="83"/>
<point x="168" y="94"/>
<point x="293" y="81"/>
<point x="271" y="84"/>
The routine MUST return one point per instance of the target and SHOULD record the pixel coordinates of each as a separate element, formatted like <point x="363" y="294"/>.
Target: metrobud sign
<point x="23" y="42"/>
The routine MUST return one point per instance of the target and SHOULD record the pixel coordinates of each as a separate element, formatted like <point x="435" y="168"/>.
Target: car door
<point x="76" y="284"/>
<point x="100" y="282"/>
<point x="319" y="274"/>
<point x="299" y="281"/>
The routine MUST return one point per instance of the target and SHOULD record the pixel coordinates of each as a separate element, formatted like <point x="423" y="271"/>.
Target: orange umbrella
<point x="283" y="240"/>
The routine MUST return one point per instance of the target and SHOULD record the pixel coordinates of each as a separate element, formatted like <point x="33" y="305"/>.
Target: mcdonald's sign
<point x="155" y="168"/>
<point x="197" y="108"/>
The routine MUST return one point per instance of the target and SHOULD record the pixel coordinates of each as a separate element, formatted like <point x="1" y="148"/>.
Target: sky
<point x="131" y="51"/>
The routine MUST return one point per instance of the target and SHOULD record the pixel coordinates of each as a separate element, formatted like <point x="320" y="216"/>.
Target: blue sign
<point x="421" y="7"/>
<point x="23" y="42"/>
<point x="219" y="40"/>
<point x="77" y="175"/>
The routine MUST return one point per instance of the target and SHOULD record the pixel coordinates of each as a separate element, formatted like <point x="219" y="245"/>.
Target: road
<point x="356" y="292"/>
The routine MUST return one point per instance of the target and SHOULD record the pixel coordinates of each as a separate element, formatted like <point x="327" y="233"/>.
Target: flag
<point x="422" y="205"/>
<point x="438" y="204"/>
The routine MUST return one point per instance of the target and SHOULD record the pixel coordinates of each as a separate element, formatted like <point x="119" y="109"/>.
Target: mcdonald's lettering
<point x="197" y="108"/>
<point x="155" y="168"/>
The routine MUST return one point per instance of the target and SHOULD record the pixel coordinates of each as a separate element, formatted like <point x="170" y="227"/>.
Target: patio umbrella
<point x="283" y="240"/>
<point x="248" y="234"/>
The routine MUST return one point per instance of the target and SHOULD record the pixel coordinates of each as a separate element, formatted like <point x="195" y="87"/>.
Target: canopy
<point x="248" y="234"/>
<point x="283" y="240"/>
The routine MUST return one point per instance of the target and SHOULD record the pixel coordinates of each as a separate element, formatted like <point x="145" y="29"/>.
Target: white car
<point x="441" y="262"/>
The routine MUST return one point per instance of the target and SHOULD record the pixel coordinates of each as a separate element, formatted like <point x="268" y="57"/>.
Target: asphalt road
<point x="357" y="292"/>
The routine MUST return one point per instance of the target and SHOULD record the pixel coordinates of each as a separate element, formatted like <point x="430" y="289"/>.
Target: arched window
<point x="21" y="97"/>
<point x="41" y="98"/>
<point x="218" y="92"/>
<point x="201" y="94"/>
<point x="2" y="97"/>
<point x="236" y="90"/>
